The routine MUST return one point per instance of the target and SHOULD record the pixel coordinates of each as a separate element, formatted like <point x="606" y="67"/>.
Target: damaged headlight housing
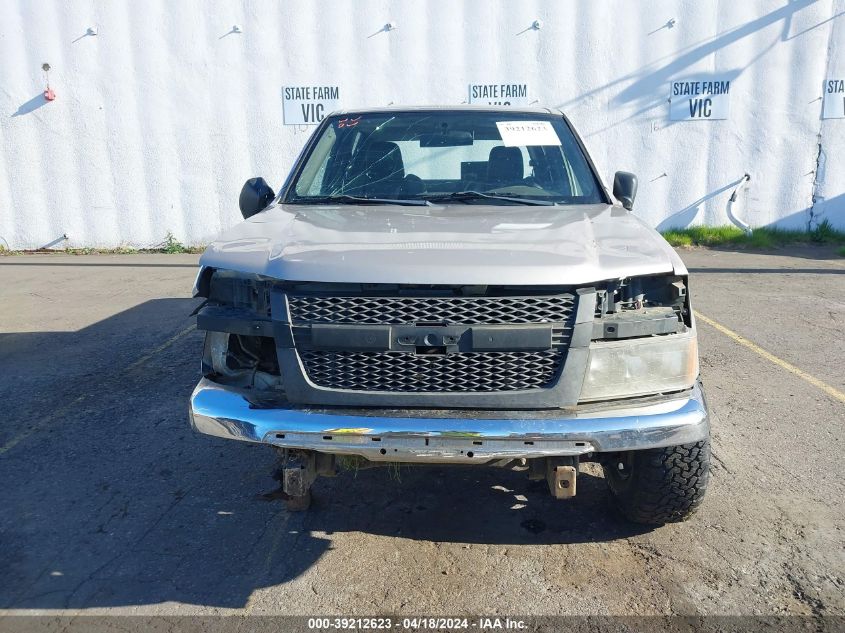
<point x="643" y="363"/>
<point x="635" y="367"/>
<point x="233" y="353"/>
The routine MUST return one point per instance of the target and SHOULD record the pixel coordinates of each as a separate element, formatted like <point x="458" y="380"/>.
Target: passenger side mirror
<point x="255" y="196"/>
<point x="625" y="188"/>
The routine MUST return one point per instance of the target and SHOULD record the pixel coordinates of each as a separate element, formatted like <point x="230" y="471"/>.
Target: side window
<point x="316" y="187"/>
<point x="337" y="163"/>
<point x="583" y="182"/>
<point x="310" y="182"/>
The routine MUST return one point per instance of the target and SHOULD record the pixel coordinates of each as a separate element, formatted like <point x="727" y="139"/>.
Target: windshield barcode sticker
<point x="527" y="133"/>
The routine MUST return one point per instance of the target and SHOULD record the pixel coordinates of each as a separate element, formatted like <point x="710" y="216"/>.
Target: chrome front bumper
<point x="379" y="436"/>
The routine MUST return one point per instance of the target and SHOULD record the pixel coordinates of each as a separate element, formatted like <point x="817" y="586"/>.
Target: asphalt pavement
<point x="111" y="504"/>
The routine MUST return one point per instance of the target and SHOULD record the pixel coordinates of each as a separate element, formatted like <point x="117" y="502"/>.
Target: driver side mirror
<point x="255" y="196"/>
<point x="625" y="188"/>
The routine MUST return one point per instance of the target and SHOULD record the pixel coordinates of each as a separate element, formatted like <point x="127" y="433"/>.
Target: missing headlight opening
<point x="642" y="306"/>
<point x="245" y="361"/>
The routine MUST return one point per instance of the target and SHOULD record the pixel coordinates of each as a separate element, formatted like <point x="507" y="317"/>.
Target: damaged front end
<point x="534" y="377"/>
<point x="438" y="347"/>
<point x="239" y="348"/>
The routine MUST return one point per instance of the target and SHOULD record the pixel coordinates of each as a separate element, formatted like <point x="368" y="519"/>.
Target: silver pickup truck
<point x="454" y="286"/>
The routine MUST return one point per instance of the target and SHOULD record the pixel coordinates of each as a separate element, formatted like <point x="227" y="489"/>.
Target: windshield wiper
<point x="462" y="196"/>
<point x="346" y="199"/>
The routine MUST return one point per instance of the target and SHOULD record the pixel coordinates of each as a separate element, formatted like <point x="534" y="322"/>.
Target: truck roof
<point x="447" y="108"/>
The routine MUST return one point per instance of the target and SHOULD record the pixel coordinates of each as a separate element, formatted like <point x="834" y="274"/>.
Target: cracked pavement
<point x="111" y="504"/>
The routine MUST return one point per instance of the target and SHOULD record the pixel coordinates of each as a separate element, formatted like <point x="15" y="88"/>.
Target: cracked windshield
<point x="450" y="157"/>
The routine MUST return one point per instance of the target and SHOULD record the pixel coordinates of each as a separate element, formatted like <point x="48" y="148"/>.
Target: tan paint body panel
<point x="448" y="244"/>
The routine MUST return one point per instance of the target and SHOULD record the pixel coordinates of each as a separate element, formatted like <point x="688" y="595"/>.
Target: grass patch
<point x="842" y="251"/>
<point x="123" y="250"/>
<point x="87" y="250"/>
<point x="824" y="233"/>
<point x="170" y="245"/>
<point x="355" y="463"/>
<point x="764" y="237"/>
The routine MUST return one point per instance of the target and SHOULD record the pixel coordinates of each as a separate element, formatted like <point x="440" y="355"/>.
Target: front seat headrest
<point x="505" y="165"/>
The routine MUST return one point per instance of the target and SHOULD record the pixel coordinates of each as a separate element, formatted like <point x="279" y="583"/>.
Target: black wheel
<point x="660" y="485"/>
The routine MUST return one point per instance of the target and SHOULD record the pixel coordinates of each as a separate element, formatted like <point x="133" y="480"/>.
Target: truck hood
<point x="454" y="244"/>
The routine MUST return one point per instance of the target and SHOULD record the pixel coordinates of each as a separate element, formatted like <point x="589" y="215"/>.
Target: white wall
<point x="161" y="116"/>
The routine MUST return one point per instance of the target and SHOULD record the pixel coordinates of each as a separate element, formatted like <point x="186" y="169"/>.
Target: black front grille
<point x="403" y="372"/>
<point x="449" y="310"/>
<point x="466" y="371"/>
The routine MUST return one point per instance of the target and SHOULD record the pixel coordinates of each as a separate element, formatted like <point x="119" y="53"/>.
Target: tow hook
<point x="296" y="472"/>
<point x="561" y="475"/>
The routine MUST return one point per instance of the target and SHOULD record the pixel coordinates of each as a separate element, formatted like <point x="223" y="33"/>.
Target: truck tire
<point x="660" y="485"/>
